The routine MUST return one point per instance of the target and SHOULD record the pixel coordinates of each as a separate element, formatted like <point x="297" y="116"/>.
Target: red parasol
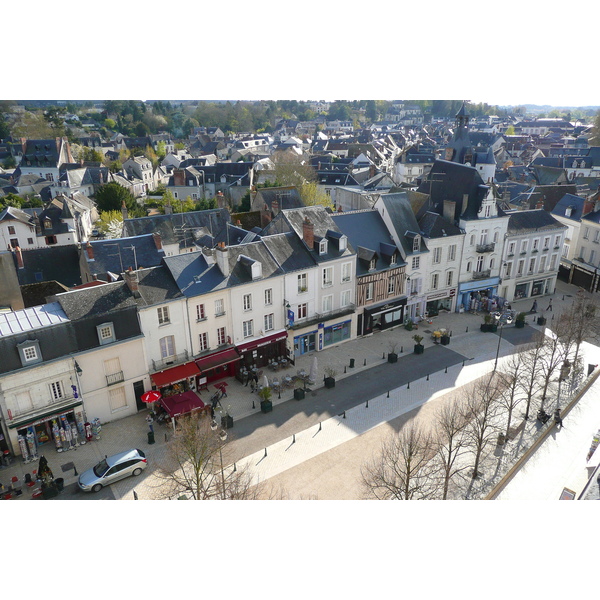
<point x="151" y="396"/>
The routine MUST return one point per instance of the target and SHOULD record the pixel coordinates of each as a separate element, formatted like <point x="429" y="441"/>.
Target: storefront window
<point x="336" y="333"/>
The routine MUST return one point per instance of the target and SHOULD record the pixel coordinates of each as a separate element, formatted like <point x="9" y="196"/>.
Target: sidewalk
<point x="367" y="353"/>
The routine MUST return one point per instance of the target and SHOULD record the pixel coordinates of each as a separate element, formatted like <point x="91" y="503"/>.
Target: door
<point x="138" y="390"/>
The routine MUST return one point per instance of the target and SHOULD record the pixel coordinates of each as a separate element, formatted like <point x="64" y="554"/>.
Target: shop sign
<point x="452" y="292"/>
<point x="437" y="296"/>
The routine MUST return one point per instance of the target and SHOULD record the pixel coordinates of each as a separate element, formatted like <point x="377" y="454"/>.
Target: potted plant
<point x="520" y="320"/>
<point x="265" y="399"/>
<point x="227" y="419"/>
<point x="329" y="378"/>
<point x="392" y="354"/>
<point x="419" y="348"/>
<point x="299" y="392"/>
<point x="541" y="320"/>
<point x="408" y="324"/>
<point x="487" y="322"/>
<point x="437" y="336"/>
<point x="445" y="339"/>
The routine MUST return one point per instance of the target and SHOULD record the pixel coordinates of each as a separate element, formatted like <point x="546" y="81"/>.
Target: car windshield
<point x="101" y="468"/>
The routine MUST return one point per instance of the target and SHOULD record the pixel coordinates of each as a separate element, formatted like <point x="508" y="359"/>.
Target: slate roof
<point x="55" y="263"/>
<point x="95" y="301"/>
<point x="523" y="221"/>
<point x="435" y="226"/>
<point x="593" y="216"/>
<point x="576" y="203"/>
<point x="156" y="286"/>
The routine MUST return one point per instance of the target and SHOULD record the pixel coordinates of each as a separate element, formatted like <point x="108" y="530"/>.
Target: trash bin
<point x="151" y="437"/>
<point x="60" y="483"/>
<point x="591" y="369"/>
<point x="352" y="363"/>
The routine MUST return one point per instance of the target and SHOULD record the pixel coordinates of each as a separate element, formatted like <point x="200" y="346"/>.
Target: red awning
<point x="175" y="374"/>
<point x="181" y="404"/>
<point x="217" y="359"/>
<point x="263" y="341"/>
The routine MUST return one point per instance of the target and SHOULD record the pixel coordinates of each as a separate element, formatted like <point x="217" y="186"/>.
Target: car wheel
<point x="136" y="472"/>
<point x="97" y="488"/>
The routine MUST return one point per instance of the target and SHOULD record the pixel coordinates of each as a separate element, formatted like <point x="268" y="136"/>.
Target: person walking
<point x="549" y="305"/>
<point x="558" y="418"/>
<point x="534" y="307"/>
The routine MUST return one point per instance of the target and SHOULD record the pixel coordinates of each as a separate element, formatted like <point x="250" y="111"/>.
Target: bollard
<point x="265" y="453"/>
<point x="446" y="370"/>
<point x="367" y="405"/>
<point x="401" y="349"/>
<point x="427" y="377"/>
<point x="388" y="394"/>
<point x="463" y="363"/>
<point x="467" y="330"/>
<point x="383" y="355"/>
<point x="352" y="363"/>
<point x="75" y="473"/>
<point x="135" y="496"/>
<point x="365" y="363"/>
<point x="344" y="368"/>
<point x="319" y="426"/>
<point x="408" y="386"/>
<point x="253" y="406"/>
<point x="294" y="439"/>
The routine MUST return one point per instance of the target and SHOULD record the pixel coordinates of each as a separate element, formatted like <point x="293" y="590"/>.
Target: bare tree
<point x="452" y="443"/>
<point x="582" y="321"/>
<point x="403" y="468"/>
<point x="529" y="380"/>
<point x="511" y="374"/>
<point x="196" y="463"/>
<point x="481" y="405"/>
<point x="553" y="353"/>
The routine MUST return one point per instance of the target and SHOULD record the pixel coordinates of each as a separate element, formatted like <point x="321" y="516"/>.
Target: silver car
<point x="113" y="468"/>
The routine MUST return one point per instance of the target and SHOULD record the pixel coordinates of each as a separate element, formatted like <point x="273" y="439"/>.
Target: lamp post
<point x="222" y="436"/>
<point x="498" y="349"/>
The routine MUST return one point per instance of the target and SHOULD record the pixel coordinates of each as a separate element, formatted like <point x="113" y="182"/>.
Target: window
<point x="536" y="244"/>
<point x="511" y="248"/>
<point x="30" y="241"/>
<point x="557" y="241"/>
<point x="496" y="237"/>
<point x="106" y="333"/>
<point x="586" y="233"/>
<point x="435" y="279"/>
<point x="221" y="336"/>
<point x="200" y="312"/>
<point x="415" y="262"/>
<point x="327" y="276"/>
<point x="552" y="262"/>
<point x="11" y="230"/>
<point x="302" y="283"/>
<point x="369" y="291"/>
<point x="323" y="247"/>
<point x="268" y="297"/>
<point x="449" y="276"/>
<point x="469" y="267"/>
<point x="302" y="310"/>
<point x="520" y="266"/>
<point x="531" y="265"/>
<point x="163" y="315"/>
<point x="472" y="241"/>
<point x="113" y="371"/>
<point x="327" y="304"/>
<point x="523" y="247"/>
<point x="248" y="328"/>
<point x="219" y="308"/>
<point x="30" y="353"/>
<point x="372" y="264"/>
<point x="479" y="263"/>
<point x="203" y="341"/>
<point x="345" y="298"/>
<point x="416" y="243"/>
<point x="247" y="302"/>
<point x="592" y="257"/>
<point x="542" y="264"/>
<point x="508" y="269"/>
<point x="56" y="390"/>
<point x="167" y="346"/>
<point x="483" y="238"/>
<point x="452" y="252"/>
<point x="269" y="322"/>
<point x="546" y="243"/>
<point x="491" y="263"/>
<point x="437" y="255"/>
<point x="346" y="272"/>
<point x="117" y="399"/>
<point x="391" y="286"/>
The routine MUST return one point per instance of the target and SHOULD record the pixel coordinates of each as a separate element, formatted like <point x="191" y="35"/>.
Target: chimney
<point x="157" y="241"/>
<point x="539" y="204"/>
<point x="308" y="233"/>
<point x="449" y="210"/>
<point x="588" y="207"/>
<point x="90" y="251"/>
<point x="220" y="199"/>
<point x="19" y="256"/>
<point x="124" y="210"/>
<point x="168" y="208"/>
<point x="222" y="253"/>
<point x="131" y="278"/>
<point x="275" y="206"/>
<point x="178" y="177"/>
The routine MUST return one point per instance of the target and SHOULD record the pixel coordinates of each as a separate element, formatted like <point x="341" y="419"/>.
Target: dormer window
<point x="416" y="243"/>
<point x="393" y="259"/>
<point x="29" y="352"/>
<point x="106" y="333"/>
<point x="323" y="247"/>
<point x="372" y="264"/>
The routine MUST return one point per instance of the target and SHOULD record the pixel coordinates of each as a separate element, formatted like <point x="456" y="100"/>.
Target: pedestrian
<point x="150" y="422"/>
<point x="534" y="307"/>
<point x="549" y="305"/>
<point x="557" y="418"/>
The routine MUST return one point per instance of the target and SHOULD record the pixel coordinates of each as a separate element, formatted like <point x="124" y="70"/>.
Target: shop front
<point x="477" y="295"/>
<point x="176" y="380"/>
<point x="58" y="427"/>
<point x="260" y="352"/>
<point x="439" y="301"/>
<point x="305" y="342"/>
<point x="382" y="316"/>
<point x="533" y="288"/>
<point x="217" y="365"/>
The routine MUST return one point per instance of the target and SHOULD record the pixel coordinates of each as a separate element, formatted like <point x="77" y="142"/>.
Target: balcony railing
<point x="169" y="361"/>
<point x="115" y="378"/>
<point x="481" y="248"/>
<point x="326" y="316"/>
<point x="482" y="274"/>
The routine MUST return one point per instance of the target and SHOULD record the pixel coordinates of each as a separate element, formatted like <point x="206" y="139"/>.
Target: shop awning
<point x="175" y="374"/>
<point x="263" y="341"/>
<point x="182" y="404"/>
<point x="218" y="359"/>
<point x="41" y="416"/>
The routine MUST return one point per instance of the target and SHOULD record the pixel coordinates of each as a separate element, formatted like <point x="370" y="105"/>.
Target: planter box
<point x="329" y="382"/>
<point x="484" y="327"/>
<point x="493" y="328"/>
<point x="519" y="324"/>
<point x="419" y="348"/>
<point x="445" y="340"/>
<point x="299" y="394"/>
<point x="266" y="406"/>
<point x="392" y="357"/>
<point x="541" y="320"/>
<point x="227" y="420"/>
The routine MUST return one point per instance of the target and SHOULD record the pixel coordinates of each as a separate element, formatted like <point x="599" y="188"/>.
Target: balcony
<point x="481" y="248"/>
<point x="321" y="317"/>
<point x="169" y="361"/>
<point x="482" y="274"/>
<point x="115" y="378"/>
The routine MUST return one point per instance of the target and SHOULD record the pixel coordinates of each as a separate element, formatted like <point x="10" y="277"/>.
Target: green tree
<point x="111" y="196"/>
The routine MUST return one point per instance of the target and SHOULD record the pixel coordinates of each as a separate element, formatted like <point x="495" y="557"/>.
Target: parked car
<point x="113" y="468"/>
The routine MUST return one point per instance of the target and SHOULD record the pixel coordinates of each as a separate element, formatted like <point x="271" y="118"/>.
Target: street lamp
<point x="498" y="349"/>
<point x="222" y="436"/>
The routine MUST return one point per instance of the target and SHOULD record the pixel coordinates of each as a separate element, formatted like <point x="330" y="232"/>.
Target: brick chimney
<point x="308" y="233"/>
<point x="222" y="253"/>
<point x="178" y="177"/>
<point x="131" y="278"/>
<point x="19" y="256"/>
<point x="588" y="207"/>
<point x="157" y="241"/>
<point x="90" y="251"/>
<point x="275" y="206"/>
